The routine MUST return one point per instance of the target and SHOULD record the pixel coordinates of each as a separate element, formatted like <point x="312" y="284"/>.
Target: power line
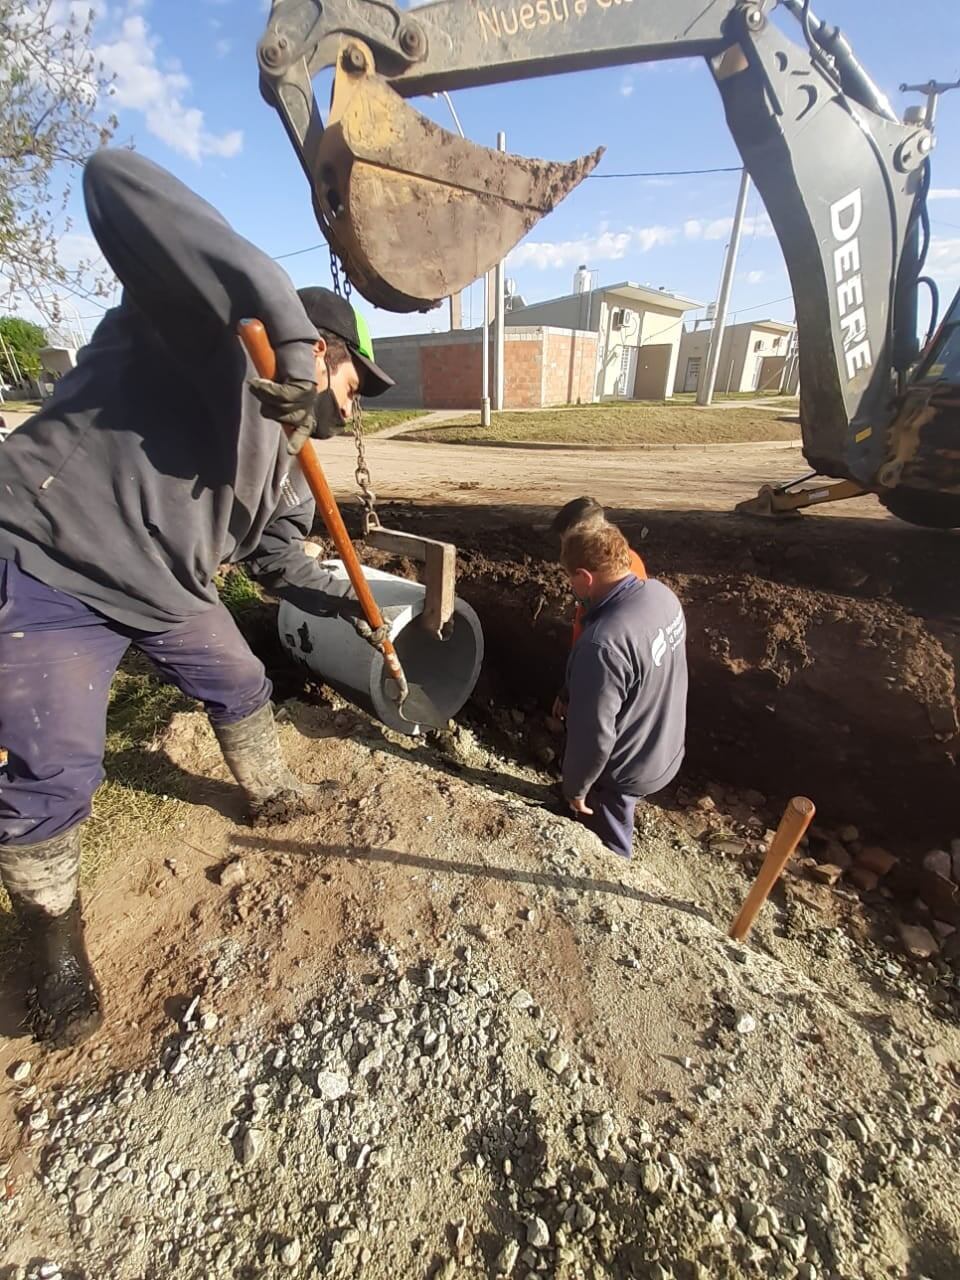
<point x="653" y="173"/>
<point x="278" y="257"/>
<point x="668" y="173"/>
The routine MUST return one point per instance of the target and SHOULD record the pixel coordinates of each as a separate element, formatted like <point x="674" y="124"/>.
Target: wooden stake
<point x="796" y="818"/>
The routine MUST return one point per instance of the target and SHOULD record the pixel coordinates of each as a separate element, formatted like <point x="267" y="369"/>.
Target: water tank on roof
<point x="581" y="280"/>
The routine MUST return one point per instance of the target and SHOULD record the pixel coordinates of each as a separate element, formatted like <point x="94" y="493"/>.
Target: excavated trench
<point x="824" y="654"/>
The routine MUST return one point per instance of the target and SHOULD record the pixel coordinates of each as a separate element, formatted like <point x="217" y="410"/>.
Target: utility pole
<point x="456" y="299"/>
<point x="499" y="318"/>
<point x="708" y="378"/>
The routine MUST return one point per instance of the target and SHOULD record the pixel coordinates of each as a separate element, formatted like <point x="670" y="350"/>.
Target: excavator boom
<point x="416" y="213"/>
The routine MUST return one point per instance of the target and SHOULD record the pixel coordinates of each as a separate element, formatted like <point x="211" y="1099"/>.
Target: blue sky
<point x="187" y="97"/>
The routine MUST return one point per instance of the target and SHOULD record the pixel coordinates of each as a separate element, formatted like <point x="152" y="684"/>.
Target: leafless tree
<point x="51" y="89"/>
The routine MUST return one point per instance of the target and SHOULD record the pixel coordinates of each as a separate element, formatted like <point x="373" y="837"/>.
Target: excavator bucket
<point x="416" y="213"/>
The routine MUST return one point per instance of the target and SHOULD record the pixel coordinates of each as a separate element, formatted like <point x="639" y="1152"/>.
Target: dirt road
<point x="685" y="477"/>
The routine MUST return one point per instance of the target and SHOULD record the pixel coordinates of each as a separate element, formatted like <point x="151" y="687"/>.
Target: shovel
<point x="254" y="338"/>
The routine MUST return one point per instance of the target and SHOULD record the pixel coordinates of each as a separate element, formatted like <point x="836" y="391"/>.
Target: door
<point x="770" y="375"/>
<point x="691" y="379"/>
<point x="653" y="365"/>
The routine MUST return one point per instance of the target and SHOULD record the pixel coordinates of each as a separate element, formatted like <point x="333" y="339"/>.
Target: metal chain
<point x="362" y="473"/>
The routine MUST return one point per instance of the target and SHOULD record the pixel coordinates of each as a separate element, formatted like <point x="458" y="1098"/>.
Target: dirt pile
<point x="439" y="1032"/>
<point x="824" y="655"/>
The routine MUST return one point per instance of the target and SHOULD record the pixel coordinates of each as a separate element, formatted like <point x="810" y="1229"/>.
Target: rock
<point x="848" y="833"/>
<point x="233" y="873"/>
<point x="446" y="1270"/>
<point x="939" y="862"/>
<point x="918" y="942"/>
<point x="538" y="1233"/>
<point x="857" y="1129"/>
<point x="941" y="895"/>
<point x="332" y="1085"/>
<point x="556" y="1060"/>
<point x="706" y="804"/>
<point x="600" y="1131"/>
<point x="745" y="1024"/>
<point x="943" y="930"/>
<point x="290" y="1253"/>
<point x="101" y="1154"/>
<point x="830" y="1165"/>
<point x="20" y="1071"/>
<point x="583" y="1216"/>
<point x="252" y="1145"/>
<point x="728" y="846"/>
<point x="879" y="861"/>
<point x="507" y="1258"/>
<point x="838" y="855"/>
<point x="83" y="1204"/>
<point x="826" y="873"/>
<point x="521" y="999"/>
<point x="865" y="879"/>
<point x="209" y="1022"/>
<point x="651" y="1179"/>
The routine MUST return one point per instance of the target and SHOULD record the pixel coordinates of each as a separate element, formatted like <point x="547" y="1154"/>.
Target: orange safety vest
<point x="637" y="568"/>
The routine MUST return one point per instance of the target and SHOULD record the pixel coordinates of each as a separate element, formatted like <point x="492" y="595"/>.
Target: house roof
<point x="644" y="295"/>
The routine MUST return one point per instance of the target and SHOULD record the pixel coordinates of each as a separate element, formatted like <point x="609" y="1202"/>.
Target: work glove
<point x="352" y="613"/>
<point x="292" y="403"/>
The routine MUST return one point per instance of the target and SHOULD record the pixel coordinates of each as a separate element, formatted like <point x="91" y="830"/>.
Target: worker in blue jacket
<point x="627" y="685"/>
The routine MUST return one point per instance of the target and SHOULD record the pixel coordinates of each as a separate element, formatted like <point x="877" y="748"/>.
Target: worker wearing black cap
<point x="157" y="460"/>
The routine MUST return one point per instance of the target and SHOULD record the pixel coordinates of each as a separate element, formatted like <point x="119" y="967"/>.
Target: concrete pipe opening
<point x="441" y="673"/>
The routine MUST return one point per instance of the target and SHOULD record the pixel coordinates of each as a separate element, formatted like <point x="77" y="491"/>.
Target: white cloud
<point x="222" y="47"/>
<point x="757" y="277"/>
<point x="141" y="85"/>
<point x="605" y="246"/>
<point x="944" y="193"/>
<point x="943" y="260"/>
<point x="626" y="86"/>
<point x="720" y="228"/>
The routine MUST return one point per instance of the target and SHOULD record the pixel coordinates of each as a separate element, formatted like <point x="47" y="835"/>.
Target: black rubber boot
<point x="63" y="1004"/>
<point x="251" y="749"/>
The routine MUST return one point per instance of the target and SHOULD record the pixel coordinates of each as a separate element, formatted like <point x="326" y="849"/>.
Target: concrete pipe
<point x="441" y="673"/>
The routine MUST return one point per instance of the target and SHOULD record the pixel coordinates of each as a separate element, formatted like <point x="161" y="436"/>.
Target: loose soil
<point x="824" y="655"/>
<point x="452" y="1037"/>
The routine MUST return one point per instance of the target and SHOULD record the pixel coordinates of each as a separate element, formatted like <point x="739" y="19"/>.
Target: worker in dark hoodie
<point x="626" y="683"/>
<point x="159" y="458"/>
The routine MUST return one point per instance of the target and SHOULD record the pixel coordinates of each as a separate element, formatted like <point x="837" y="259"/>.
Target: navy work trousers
<point x="612" y="817"/>
<point x="57" y="660"/>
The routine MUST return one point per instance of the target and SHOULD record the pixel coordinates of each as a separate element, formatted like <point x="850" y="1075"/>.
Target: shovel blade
<point x="414" y="212"/>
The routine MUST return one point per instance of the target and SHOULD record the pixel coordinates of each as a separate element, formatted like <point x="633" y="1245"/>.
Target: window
<point x="758" y="345"/>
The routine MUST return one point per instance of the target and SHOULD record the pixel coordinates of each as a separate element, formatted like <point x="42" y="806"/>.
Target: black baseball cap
<point x="328" y="311"/>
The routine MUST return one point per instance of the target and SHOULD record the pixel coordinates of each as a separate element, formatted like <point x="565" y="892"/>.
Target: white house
<point x="639" y="330"/>
<point x="755" y="355"/>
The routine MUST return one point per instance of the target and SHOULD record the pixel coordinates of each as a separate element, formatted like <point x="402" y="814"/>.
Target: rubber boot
<point x="251" y="749"/>
<point x="64" y="1005"/>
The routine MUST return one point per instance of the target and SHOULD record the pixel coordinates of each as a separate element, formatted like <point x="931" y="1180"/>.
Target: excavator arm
<point x="416" y="213"/>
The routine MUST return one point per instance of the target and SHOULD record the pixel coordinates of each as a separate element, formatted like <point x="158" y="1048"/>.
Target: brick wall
<point x="569" y="367"/>
<point x="450" y="372"/>
<point x="522" y="363"/>
<point x="443" y="370"/>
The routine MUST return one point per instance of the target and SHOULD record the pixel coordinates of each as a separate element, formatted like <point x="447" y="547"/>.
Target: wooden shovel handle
<point x="796" y="818"/>
<point x="254" y="338"/>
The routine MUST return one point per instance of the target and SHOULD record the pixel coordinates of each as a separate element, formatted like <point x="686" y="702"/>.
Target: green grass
<point x="376" y="420"/>
<point x="237" y="590"/>
<point x="618" y="423"/>
<point x="19" y="406"/>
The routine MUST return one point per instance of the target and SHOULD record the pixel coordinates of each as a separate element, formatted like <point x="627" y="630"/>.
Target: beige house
<point x="756" y="355"/>
<point x="639" y="331"/>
